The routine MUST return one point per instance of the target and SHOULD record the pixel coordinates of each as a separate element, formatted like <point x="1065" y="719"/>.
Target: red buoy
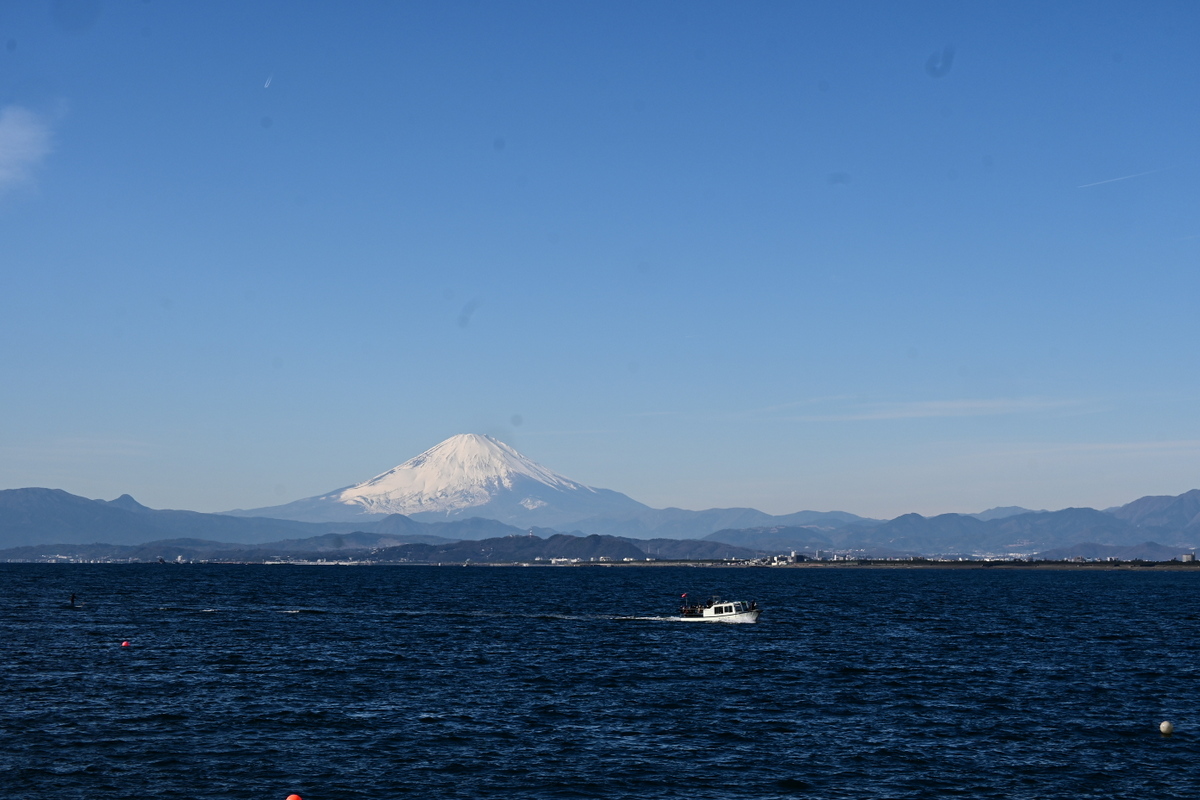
<point x="125" y="644"/>
<point x="294" y="797"/>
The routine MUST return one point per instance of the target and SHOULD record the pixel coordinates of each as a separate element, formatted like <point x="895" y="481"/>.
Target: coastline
<point x="847" y="564"/>
<point x="1174" y="566"/>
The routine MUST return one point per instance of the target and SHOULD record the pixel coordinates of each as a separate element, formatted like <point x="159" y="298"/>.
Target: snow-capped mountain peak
<point x="463" y="471"/>
<point x="465" y="476"/>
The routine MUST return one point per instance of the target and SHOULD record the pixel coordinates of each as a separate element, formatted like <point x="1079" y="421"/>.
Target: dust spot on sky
<point x="266" y="122"/>
<point x="498" y="144"/>
<point x="938" y="65"/>
<point x="468" y="310"/>
<point x="643" y="268"/>
<point x="838" y="178"/>
<point x="823" y="85"/>
<point x="11" y="45"/>
<point x="517" y="420"/>
<point x="277" y="362"/>
<point x="75" y="16"/>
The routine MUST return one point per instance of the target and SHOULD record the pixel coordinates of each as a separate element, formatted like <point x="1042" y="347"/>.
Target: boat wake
<point x="682" y="619"/>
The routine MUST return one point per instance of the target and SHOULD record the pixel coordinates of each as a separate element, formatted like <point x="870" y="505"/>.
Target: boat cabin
<point x="727" y="608"/>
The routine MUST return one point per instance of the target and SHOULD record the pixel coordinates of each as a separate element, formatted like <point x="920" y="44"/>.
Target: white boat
<point x="718" y="610"/>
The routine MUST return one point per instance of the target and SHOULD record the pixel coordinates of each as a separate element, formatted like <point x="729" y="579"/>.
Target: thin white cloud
<point x="933" y="409"/>
<point x="24" y="142"/>
<point x="808" y="402"/>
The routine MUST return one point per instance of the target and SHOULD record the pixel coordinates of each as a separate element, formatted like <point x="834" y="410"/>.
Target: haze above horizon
<point x="880" y="258"/>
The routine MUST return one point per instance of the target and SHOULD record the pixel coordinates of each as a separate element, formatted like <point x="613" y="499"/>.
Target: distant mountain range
<point x="45" y="519"/>
<point x="543" y="545"/>
<point x="472" y="488"/>
<point x="1173" y="522"/>
<point x="470" y="475"/>
<point x="1146" y="551"/>
<point x="37" y="524"/>
<point x="45" y="516"/>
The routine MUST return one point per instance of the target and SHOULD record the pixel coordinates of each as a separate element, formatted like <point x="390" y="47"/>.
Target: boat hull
<point x="742" y="617"/>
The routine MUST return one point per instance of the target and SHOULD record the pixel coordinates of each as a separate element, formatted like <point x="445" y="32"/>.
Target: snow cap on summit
<point x="464" y="471"/>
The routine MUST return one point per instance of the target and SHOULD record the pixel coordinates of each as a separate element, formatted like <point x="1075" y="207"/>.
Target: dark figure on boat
<point x="691" y="610"/>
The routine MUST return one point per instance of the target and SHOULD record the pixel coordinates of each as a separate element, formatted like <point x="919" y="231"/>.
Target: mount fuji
<point x="468" y="475"/>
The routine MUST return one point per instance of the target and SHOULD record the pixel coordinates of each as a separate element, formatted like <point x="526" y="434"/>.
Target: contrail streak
<point x="1114" y="180"/>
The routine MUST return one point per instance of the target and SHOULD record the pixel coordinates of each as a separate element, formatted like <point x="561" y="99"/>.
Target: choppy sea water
<point x="449" y="682"/>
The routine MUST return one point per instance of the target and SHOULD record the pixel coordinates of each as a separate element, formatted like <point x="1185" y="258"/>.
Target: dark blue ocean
<point x="362" y="683"/>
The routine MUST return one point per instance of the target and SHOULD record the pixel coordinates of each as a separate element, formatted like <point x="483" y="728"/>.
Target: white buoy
<point x="1167" y="728"/>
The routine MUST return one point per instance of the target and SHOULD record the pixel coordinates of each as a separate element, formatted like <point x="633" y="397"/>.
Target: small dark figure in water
<point x="72" y="601"/>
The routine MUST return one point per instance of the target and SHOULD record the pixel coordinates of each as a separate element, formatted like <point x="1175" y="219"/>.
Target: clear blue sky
<point x="879" y="257"/>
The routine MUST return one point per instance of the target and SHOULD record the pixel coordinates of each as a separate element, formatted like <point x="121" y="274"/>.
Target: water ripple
<point x="244" y="682"/>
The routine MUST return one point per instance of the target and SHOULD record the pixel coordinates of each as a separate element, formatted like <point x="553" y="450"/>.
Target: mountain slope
<point x="465" y="476"/>
<point x="1172" y="513"/>
<point x="780" y="539"/>
<point x="51" y="516"/>
<point x="679" y="523"/>
<point x="477" y="476"/>
<point x="1146" y="551"/>
<point x="36" y="516"/>
<point x="1000" y="512"/>
<point x="507" y="548"/>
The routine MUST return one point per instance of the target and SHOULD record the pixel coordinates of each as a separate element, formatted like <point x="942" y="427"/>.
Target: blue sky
<point x="879" y="257"/>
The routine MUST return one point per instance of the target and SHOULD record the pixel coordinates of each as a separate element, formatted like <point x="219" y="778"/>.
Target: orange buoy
<point x="125" y="644"/>
<point x="294" y="797"/>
